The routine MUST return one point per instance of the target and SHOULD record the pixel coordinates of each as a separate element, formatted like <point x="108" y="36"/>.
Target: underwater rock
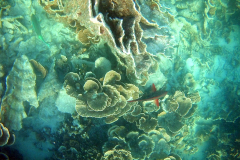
<point x="50" y="85"/>
<point x="65" y="103"/>
<point x="20" y="89"/>
<point x="102" y="66"/>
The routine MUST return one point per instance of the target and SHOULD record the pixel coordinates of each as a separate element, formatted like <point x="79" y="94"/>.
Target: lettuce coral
<point x="107" y="100"/>
<point x="117" y="24"/>
<point x="117" y="154"/>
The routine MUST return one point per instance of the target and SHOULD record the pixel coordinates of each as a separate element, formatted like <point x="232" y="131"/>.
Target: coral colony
<point x="119" y="79"/>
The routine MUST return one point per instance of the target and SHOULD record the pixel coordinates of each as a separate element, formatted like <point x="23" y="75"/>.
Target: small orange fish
<point x="155" y="95"/>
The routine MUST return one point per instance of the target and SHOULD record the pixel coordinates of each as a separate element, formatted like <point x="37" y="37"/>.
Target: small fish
<point x="155" y="95"/>
<point x="37" y="29"/>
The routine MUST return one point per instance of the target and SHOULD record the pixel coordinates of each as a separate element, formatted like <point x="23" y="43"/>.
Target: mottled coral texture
<point x="21" y="83"/>
<point x="96" y="100"/>
<point x="115" y="23"/>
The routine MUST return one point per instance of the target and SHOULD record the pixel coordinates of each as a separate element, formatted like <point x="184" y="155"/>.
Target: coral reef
<point x="116" y="24"/>
<point x="20" y="94"/>
<point x="107" y="100"/>
<point x="176" y="108"/>
<point x="5" y="137"/>
<point x="39" y="68"/>
<point x="155" y="144"/>
<point x="117" y="154"/>
<point x="72" y="100"/>
<point x="2" y="73"/>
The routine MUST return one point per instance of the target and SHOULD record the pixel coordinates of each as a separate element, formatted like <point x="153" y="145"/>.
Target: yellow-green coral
<point x="109" y="101"/>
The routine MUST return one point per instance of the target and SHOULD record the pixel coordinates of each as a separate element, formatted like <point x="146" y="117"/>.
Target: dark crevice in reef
<point x="128" y="22"/>
<point x="112" y="20"/>
<point x="93" y="10"/>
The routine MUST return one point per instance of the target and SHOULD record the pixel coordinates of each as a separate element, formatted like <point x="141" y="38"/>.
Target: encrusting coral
<point x="20" y="89"/>
<point x="117" y="24"/>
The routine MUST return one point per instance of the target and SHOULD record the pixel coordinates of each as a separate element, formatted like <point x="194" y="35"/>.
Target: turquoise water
<point x="76" y="79"/>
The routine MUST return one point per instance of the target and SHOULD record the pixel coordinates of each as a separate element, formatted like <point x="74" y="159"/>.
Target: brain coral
<point x="109" y="101"/>
<point x="20" y="88"/>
